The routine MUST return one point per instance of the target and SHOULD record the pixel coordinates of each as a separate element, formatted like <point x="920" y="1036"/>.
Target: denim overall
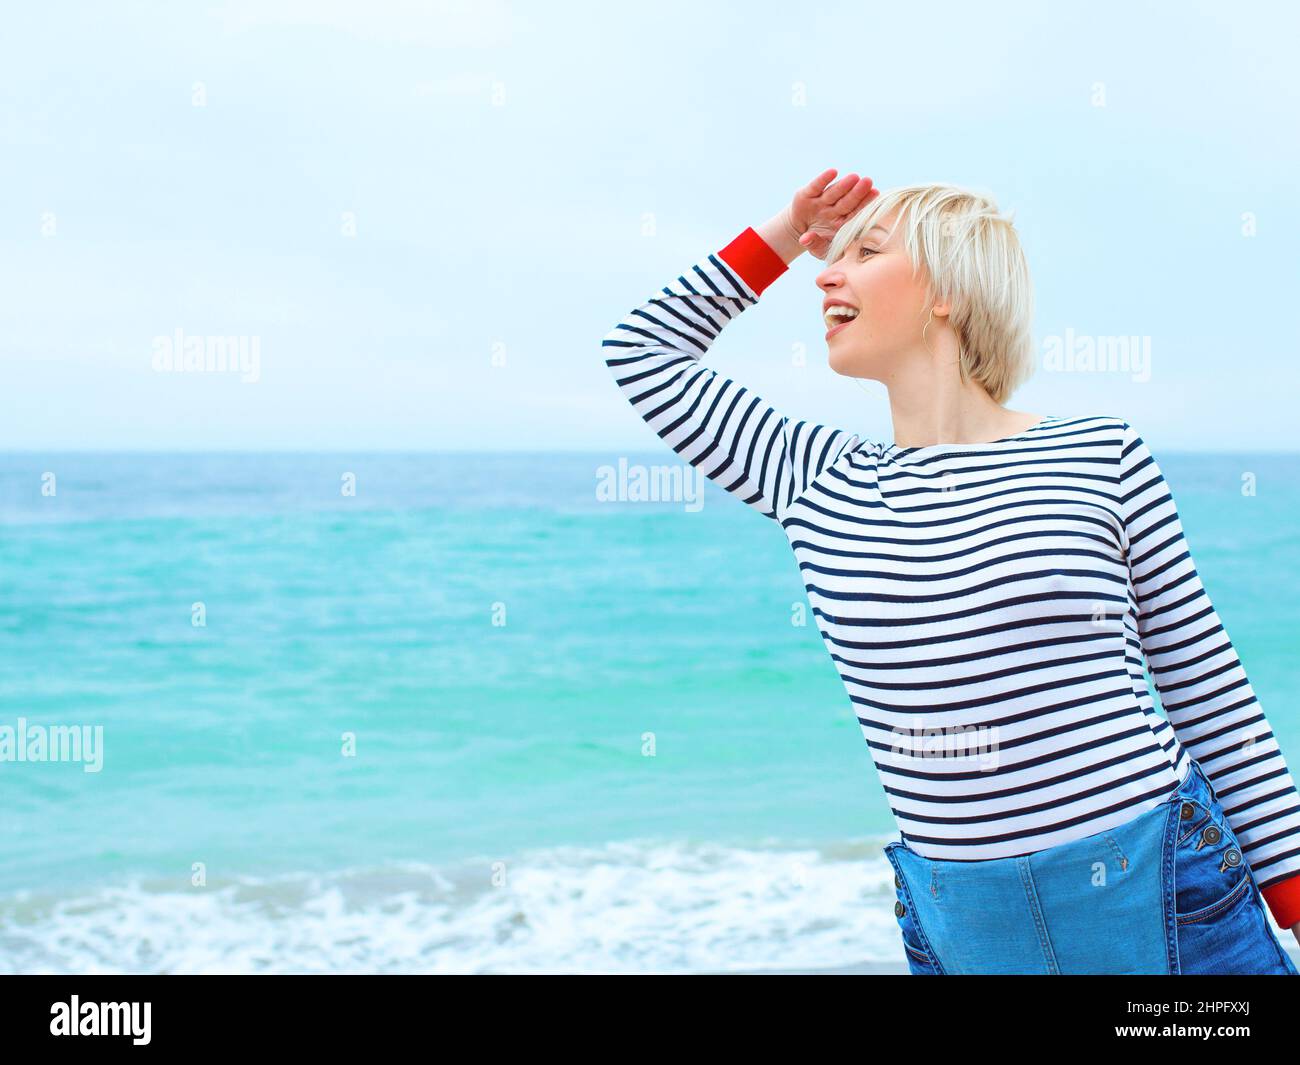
<point x="1168" y="892"/>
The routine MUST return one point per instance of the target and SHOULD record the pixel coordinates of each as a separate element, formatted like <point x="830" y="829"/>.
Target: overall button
<point x="897" y="883"/>
<point x="1187" y="811"/>
<point x="899" y="909"/>
<point x="1231" y="858"/>
<point x="1211" y="835"/>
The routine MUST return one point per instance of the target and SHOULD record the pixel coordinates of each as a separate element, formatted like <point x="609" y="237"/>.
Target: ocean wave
<point x="628" y="907"/>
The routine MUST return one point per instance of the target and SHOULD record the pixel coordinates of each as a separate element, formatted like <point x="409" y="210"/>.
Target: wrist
<point x="781" y="234"/>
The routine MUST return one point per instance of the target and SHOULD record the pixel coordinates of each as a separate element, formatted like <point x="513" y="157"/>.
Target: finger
<point x="858" y="193"/>
<point x="815" y="240"/>
<point x="856" y="197"/>
<point x="837" y="191"/>
<point x="817" y="185"/>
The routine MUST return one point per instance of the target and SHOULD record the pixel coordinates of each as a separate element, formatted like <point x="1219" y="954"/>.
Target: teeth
<point x="842" y="313"/>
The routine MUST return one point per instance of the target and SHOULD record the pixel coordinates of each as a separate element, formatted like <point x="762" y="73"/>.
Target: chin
<point x="859" y="360"/>
<point x="842" y="362"/>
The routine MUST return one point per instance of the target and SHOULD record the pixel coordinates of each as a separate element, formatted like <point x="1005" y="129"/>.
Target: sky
<point x="422" y="218"/>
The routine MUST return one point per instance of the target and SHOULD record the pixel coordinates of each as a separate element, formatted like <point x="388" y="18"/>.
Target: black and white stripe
<point x="1012" y="587"/>
<point x="735" y="438"/>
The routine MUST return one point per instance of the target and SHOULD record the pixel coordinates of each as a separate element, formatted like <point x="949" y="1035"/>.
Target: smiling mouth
<point x="838" y="322"/>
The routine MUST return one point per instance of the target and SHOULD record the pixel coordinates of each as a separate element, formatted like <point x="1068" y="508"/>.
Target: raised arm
<point x="1203" y="687"/>
<point x="731" y="434"/>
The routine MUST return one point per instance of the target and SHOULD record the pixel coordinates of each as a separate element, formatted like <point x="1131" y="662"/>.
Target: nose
<point x="831" y="277"/>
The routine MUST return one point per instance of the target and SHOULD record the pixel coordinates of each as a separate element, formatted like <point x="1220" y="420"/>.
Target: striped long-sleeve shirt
<point x="988" y="606"/>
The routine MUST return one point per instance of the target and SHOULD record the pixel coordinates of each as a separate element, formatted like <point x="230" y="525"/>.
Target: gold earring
<point x="961" y="367"/>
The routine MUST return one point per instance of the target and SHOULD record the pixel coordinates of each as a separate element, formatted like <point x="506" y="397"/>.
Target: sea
<point x="465" y="713"/>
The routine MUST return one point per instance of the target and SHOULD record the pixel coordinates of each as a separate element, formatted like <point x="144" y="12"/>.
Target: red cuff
<point x="1283" y="899"/>
<point x="754" y="260"/>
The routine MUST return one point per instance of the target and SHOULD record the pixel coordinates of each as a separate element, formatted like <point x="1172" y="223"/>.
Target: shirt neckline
<point x="895" y="449"/>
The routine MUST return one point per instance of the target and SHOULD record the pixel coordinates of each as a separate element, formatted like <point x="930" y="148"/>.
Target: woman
<point x="988" y="588"/>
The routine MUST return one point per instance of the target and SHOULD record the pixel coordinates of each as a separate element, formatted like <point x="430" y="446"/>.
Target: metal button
<point x="1211" y="835"/>
<point x="1188" y="811"/>
<point x="1232" y="857"/>
<point x="899" y="909"/>
<point x="897" y="883"/>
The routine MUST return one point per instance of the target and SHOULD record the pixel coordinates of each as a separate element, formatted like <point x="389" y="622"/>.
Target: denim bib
<point x="1165" y="893"/>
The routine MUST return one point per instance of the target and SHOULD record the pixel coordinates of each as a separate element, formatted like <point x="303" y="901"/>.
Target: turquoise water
<point x="504" y="809"/>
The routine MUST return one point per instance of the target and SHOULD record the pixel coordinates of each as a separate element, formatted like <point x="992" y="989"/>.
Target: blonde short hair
<point x="970" y="255"/>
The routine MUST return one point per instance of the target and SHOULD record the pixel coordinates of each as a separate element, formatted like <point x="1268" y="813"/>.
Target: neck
<point x="930" y="404"/>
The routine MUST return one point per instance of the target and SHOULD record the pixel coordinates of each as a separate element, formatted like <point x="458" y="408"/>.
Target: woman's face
<point x="874" y="276"/>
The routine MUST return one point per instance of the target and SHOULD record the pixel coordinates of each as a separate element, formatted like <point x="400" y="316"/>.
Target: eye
<point x="864" y="248"/>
